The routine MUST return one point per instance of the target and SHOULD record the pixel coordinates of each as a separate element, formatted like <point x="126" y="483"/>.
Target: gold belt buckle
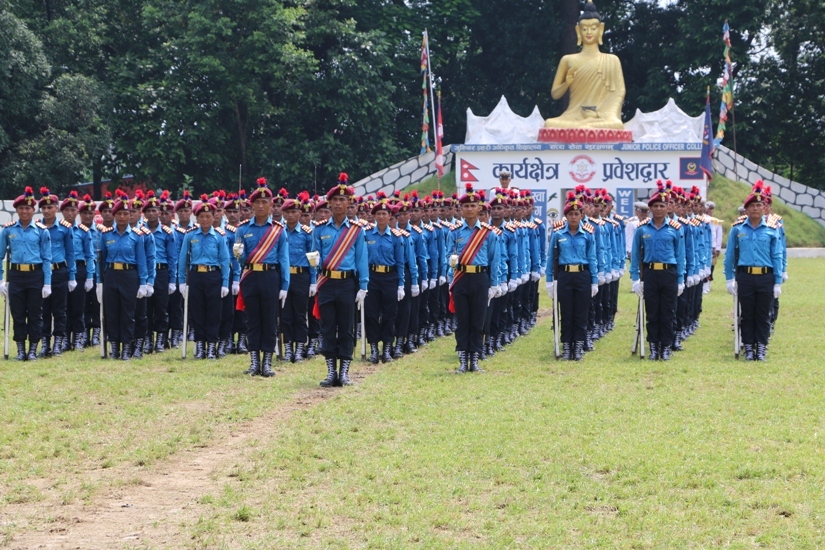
<point x="293" y="270"/>
<point x="203" y="269"/>
<point x="336" y="274"/>
<point x="757" y="270"/>
<point x="574" y="268"/>
<point x="25" y="267"/>
<point x="382" y="269"/>
<point x="118" y="266"/>
<point x="257" y="267"/>
<point x="658" y="266"/>
<point x="472" y="269"/>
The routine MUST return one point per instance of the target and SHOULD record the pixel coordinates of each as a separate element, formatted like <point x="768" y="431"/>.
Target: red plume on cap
<point x="87" y="197"/>
<point x="468" y="187"/>
<point x="73" y="194"/>
<point x="381" y="195"/>
<point x="29" y="192"/>
<point x="44" y="191"/>
<point x="121" y="194"/>
<point x="186" y="195"/>
<point x="150" y="194"/>
<point x="415" y="194"/>
<point x="261" y="182"/>
<point x="139" y="194"/>
<point x="571" y="195"/>
<point x="164" y="195"/>
<point x="660" y="185"/>
<point x="343" y="178"/>
<point x="108" y="196"/>
<point x="204" y="197"/>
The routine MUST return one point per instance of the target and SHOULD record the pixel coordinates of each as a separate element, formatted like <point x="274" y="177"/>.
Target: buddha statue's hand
<point x="570" y="77"/>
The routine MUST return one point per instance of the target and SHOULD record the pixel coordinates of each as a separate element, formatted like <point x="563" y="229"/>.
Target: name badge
<point x="110" y="242"/>
<point x="371" y="242"/>
<point x="562" y="240"/>
<point x="646" y="236"/>
<point x="325" y="237"/>
<point x="248" y="235"/>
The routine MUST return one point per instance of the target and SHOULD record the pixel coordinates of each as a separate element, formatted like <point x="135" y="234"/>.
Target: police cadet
<point x="85" y="271"/>
<point x="340" y="254"/>
<point x="572" y="265"/>
<point x="183" y="210"/>
<point x="387" y="251"/>
<point x="203" y="277"/>
<point x="87" y="210"/>
<point x="472" y="255"/>
<point x="510" y="274"/>
<point x="676" y="211"/>
<point x="780" y="227"/>
<point x="228" y="302"/>
<point x="63" y="274"/>
<point x="753" y="269"/>
<point x="27" y="244"/>
<point x="141" y="319"/>
<point x="263" y="251"/>
<point x="124" y="276"/>
<point x="166" y="271"/>
<point x="426" y="270"/>
<point x="406" y="324"/>
<point x="499" y="292"/>
<point x="243" y="215"/>
<point x="302" y="279"/>
<point x="657" y="269"/>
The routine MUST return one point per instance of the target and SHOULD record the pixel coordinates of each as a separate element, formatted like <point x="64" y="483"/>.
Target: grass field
<point x="612" y="452"/>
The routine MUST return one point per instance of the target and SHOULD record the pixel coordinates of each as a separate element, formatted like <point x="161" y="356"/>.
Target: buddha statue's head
<point x="590" y="29"/>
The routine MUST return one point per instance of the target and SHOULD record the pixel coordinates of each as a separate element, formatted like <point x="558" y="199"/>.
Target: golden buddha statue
<point x="594" y="80"/>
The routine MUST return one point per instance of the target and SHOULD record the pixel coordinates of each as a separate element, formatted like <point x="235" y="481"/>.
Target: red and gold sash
<point x="334" y="260"/>
<point x="471" y="250"/>
<point x="257" y="255"/>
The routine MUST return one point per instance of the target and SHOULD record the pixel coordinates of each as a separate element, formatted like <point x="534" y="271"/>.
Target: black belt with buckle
<point x="120" y="266"/>
<point x="204" y="268"/>
<point x="59" y="265"/>
<point x="754" y="270"/>
<point x="657" y="266"/>
<point x="26" y="267"/>
<point x="382" y="268"/>
<point x="575" y="268"/>
<point x="159" y="267"/>
<point x="338" y="274"/>
<point x="472" y="268"/>
<point x="262" y="267"/>
<point x="297" y="269"/>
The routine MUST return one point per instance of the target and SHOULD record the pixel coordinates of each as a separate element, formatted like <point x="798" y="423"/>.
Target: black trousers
<point x="661" y="288"/>
<point x="141" y="320"/>
<point x="424" y="308"/>
<point x="227" y="316"/>
<point x="755" y="294"/>
<point x="336" y="302"/>
<point x="402" y="321"/>
<point x="25" y="290"/>
<point x="157" y="305"/>
<point x="470" y="299"/>
<point x="239" y="319"/>
<point x="381" y="307"/>
<point x="92" y="309"/>
<point x="205" y="304"/>
<point x="682" y="316"/>
<point x="54" y="307"/>
<point x="119" y="303"/>
<point x="443" y="303"/>
<point x="313" y="324"/>
<point x="434" y="303"/>
<point x="76" y="303"/>
<point x="606" y="308"/>
<point x="574" y="304"/>
<point x="495" y="316"/>
<point x="260" y="291"/>
<point x="294" y="314"/>
<point x="175" y="310"/>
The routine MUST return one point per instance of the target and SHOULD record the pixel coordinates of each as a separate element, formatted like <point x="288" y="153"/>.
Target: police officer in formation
<point x="166" y="269"/>
<point x="85" y="259"/>
<point x="302" y="278"/>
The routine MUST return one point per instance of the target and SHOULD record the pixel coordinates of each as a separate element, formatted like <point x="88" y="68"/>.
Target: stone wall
<point x="403" y="174"/>
<point x="805" y="199"/>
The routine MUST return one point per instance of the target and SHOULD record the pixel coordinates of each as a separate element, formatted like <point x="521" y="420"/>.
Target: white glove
<point x="237" y="249"/>
<point x="172" y="288"/>
<point x="608" y="277"/>
<point x="442" y="280"/>
<point x="491" y="293"/>
<point x="282" y="297"/>
<point x="784" y="276"/>
<point x="425" y="284"/>
<point x="99" y="292"/>
<point x="3" y="290"/>
<point x="89" y="285"/>
<point x="621" y="273"/>
<point x="543" y="271"/>
<point x="777" y="290"/>
<point x="72" y="286"/>
<point x="433" y="283"/>
<point x="401" y="293"/>
<point x="525" y="277"/>
<point x="314" y="258"/>
<point x="690" y="280"/>
<point x="141" y="293"/>
<point x="184" y="291"/>
<point x="453" y="260"/>
<point x="594" y="289"/>
<point x="534" y="276"/>
<point x="313" y="290"/>
<point x="224" y="291"/>
<point x="602" y="279"/>
<point x="512" y="285"/>
<point x="150" y="291"/>
<point x="236" y="288"/>
<point x="639" y="288"/>
<point x="731" y="286"/>
<point x="616" y="275"/>
<point x="502" y="289"/>
<point x="680" y="289"/>
<point x="359" y="298"/>
<point x="549" y="286"/>
<point x="414" y="290"/>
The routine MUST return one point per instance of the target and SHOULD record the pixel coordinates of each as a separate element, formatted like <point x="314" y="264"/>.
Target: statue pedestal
<point x="584" y="135"/>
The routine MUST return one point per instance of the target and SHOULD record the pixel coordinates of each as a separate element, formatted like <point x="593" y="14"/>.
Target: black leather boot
<point x="373" y="354"/>
<point x="229" y="348"/>
<point x="221" y="349"/>
<point x="127" y="352"/>
<point x="343" y="377"/>
<point x="462" y="362"/>
<point x="289" y="355"/>
<point x="398" y="350"/>
<point x="255" y="364"/>
<point x="32" y="351"/>
<point x="474" y="358"/>
<point x="565" y="352"/>
<point x="578" y="351"/>
<point x="409" y="345"/>
<point x="311" y="349"/>
<point x="114" y="350"/>
<point x="300" y="352"/>
<point x="45" y="349"/>
<point x="386" y="355"/>
<point x="211" y="350"/>
<point x="664" y="352"/>
<point x="749" y="356"/>
<point x="242" y="345"/>
<point x="57" y="350"/>
<point x="761" y="352"/>
<point x="79" y="342"/>
<point x="191" y="336"/>
<point x="654" y="352"/>
<point x="95" y="336"/>
<point x="332" y="374"/>
<point x="137" y="350"/>
<point x="677" y="341"/>
<point x="200" y="350"/>
<point x="21" y="351"/>
<point x="176" y="335"/>
<point x="266" y="368"/>
<point x="160" y="342"/>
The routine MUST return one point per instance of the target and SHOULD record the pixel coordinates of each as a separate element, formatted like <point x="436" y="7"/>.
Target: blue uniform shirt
<point x="62" y="239"/>
<point x="251" y="234"/>
<point x="573" y="249"/>
<point x="126" y="248"/>
<point x="750" y="246"/>
<point x="325" y="235"/>
<point x="166" y="249"/>
<point x="487" y="255"/>
<point x="29" y="245"/>
<point x="234" y="265"/>
<point x="387" y="248"/>
<point x="665" y="244"/>
<point x="300" y="242"/>
<point x="201" y="248"/>
<point x="151" y="262"/>
<point x="83" y="248"/>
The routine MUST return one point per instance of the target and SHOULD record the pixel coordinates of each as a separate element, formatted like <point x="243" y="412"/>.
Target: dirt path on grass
<point x="157" y="506"/>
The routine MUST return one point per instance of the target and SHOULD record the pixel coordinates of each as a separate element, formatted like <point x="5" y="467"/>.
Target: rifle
<point x="6" y="316"/>
<point x="186" y="310"/>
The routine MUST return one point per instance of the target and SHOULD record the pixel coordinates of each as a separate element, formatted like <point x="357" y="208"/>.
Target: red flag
<point x="439" y="133"/>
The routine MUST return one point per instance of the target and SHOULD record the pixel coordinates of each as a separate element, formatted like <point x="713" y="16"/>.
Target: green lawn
<point x="612" y="452"/>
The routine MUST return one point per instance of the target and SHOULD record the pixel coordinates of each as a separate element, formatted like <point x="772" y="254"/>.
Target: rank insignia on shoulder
<point x="107" y="229"/>
<point x="674" y="224"/>
<point x="40" y="225"/>
<point x="647" y="221"/>
<point x="230" y="227"/>
<point x="739" y="221"/>
<point x="9" y="224"/>
<point x="587" y="227"/>
<point x="307" y="229"/>
<point x="64" y="223"/>
<point x="83" y="227"/>
<point x="220" y="232"/>
<point x="417" y="229"/>
<point x="193" y="228"/>
<point x="397" y="232"/>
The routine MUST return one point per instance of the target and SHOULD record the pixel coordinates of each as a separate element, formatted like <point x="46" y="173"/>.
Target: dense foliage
<point x="298" y="90"/>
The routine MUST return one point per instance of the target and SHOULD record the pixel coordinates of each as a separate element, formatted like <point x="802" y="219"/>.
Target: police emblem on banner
<point x="582" y="168"/>
<point x="689" y="168"/>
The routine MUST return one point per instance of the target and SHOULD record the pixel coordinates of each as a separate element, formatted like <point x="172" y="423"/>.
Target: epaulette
<point x="429" y="228"/>
<point x="307" y="229"/>
<point x="613" y="222"/>
<point x="453" y="227"/>
<point x="230" y="227"/>
<point x="193" y="228"/>
<point x="560" y="225"/>
<point x="100" y="226"/>
<point x="436" y="224"/>
<point x="531" y="225"/>
<point x="417" y="229"/>
<point x="369" y="226"/>
<point x="146" y="231"/>
<point x="508" y="227"/>
<point x="9" y="224"/>
<point x="404" y="232"/>
<point x="620" y="217"/>
<point x="167" y="229"/>
<point x="107" y="229"/>
<point x="683" y="221"/>
<point x="647" y="221"/>
<point x="596" y="221"/>
<point x="587" y="227"/>
<point x="776" y="218"/>
<point x="538" y="221"/>
<point x="495" y="230"/>
<point x="397" y="232"/>
<point x="64" y="223"/>
<point x="40" y="225"/>
<point x="772" y="223"/>
<point x="179" y="229"/>
<point x="315" y="223"/>
<point x="694" y="222"/>
<point x="674" y="224"/>
<point x="221" y="232"/>
<point x="739" y="221"/>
